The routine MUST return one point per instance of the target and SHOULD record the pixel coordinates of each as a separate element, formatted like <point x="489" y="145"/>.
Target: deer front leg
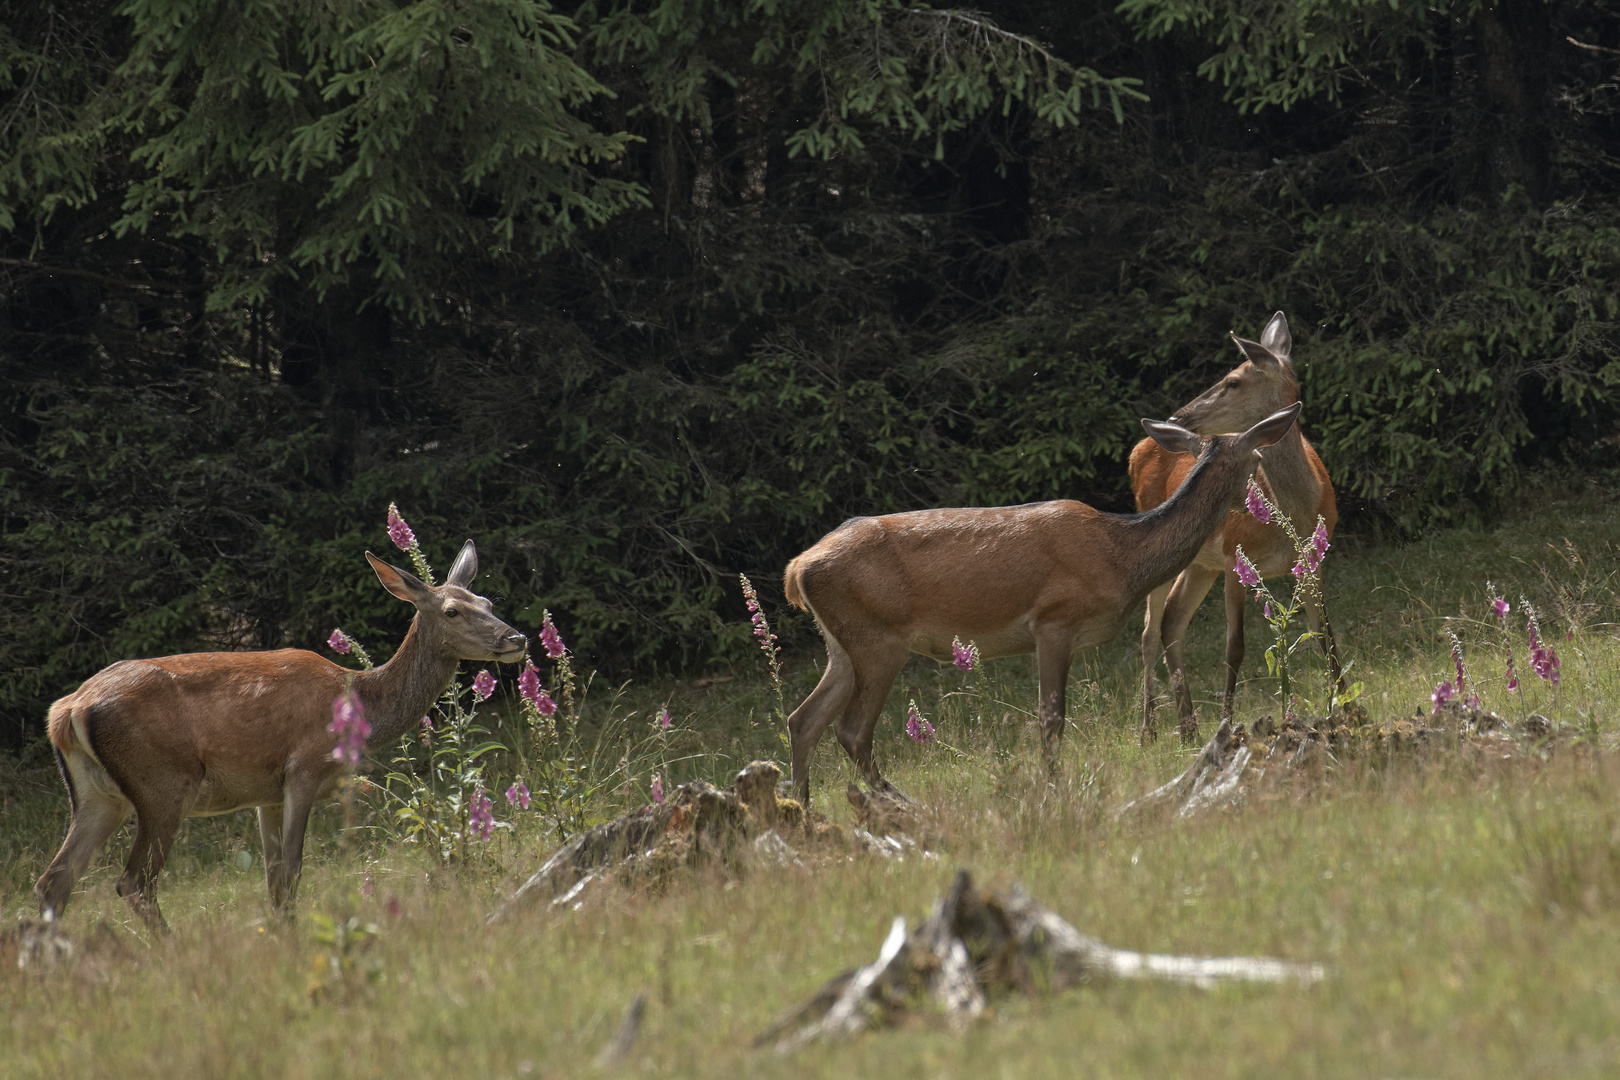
<point x="1237" y="599"/>
<point x="1152" y="648"/>
<point x="294" y="821"/>
<point x="1189" y="591"/>
<point x="275" y="878"/>
<point x="1054" y="650"/>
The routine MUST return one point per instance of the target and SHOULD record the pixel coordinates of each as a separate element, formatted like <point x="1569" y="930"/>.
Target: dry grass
<point x="1468" y="908"/>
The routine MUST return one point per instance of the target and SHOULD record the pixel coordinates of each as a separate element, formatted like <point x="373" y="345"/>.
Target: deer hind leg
<point x="811" y="719"/>
<point x="1186" y="594"/>
<point x="1054" y="651"/>
<point x="156" y="824"/>
<point x="879" y="665"/>
<point x="1152" y="649"/>
<point x="96" y="816"/>
<point x="1237" y="598"/>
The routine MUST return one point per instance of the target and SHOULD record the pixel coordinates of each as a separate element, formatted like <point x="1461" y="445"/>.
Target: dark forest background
<point x="643" y="293"/>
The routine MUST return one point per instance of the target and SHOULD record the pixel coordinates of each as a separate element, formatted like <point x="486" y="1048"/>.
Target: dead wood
<point x="697" y="824"/>
<point x="977" y="943"/>
<point x="37" y="946"/>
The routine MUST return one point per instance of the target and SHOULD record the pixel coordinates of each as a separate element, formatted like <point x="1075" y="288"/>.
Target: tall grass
<point x="1468" y="904"/>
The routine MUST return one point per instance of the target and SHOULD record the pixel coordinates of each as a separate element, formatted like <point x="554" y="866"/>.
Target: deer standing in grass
<point x="1295" y="479"/>
<point x="1047" y="577"/>
<point x="209" y="733"/>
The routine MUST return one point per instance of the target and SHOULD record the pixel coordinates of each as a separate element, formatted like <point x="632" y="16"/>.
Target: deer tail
<point x="793" y="583"/>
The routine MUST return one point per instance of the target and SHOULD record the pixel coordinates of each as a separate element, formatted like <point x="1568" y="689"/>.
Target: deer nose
<point x="512" y="641"/>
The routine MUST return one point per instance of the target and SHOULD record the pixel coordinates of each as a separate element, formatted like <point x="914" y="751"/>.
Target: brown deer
<point x="1047" y="577"/>
<point x="210" y="733"/>
<point x="1292" y="475"/>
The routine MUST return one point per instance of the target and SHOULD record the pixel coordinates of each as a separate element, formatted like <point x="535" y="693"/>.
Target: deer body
<point x="202" y="734"/>
<point x="1292" y="475"/>
<point x="1047" y="577"/>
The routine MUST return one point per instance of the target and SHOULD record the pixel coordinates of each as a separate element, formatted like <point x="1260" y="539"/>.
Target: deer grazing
<point x="210" y="733"/>
<point x="1047" y="577"/>
<point x="1292" y="475"/>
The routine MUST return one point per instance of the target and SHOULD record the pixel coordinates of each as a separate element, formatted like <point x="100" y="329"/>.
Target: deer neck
<point x="1294" y="485"/>
<point x="1164" y="541"/>
<point x="399" y="693"/>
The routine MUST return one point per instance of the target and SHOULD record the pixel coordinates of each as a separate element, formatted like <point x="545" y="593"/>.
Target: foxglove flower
<point x="518" y="793"/>
<point x="1319" y="542"/>
<point x="919" y="729"/>
<point x="1456" y="658"/>
<point x="1256" y="502"/>
<point x="483" y="685"/>
<point x="551" y="639"/>
<point x="657" y="788"/>
<point x="399" y="532"/>
<point x="1501" y="607"/>
<point x="663" y="719"/>
<point x="1266" y="611"/>
<point x="535" y="694"/>
<point x="350" y="726"/>
<point x="480" y="815"/>
<point x="964" y="656"/>
<point x="339" y="643"/>
<point x="1245" y="570"/>
<point x="1442" y="694"/>
<point x="366" y="887"/>
<point x="1512" y="679"/>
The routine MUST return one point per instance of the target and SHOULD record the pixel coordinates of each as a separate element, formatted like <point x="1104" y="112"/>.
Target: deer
<point x="202" y="734"/>
<point x="1046" y="577"/>
<point x="1296" y="481"/>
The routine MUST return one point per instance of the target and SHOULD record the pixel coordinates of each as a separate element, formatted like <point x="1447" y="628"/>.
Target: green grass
<point x="1468" y="908"/>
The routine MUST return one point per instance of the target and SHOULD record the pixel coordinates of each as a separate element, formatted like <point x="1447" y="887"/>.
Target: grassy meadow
<point x="1467" y="906"/>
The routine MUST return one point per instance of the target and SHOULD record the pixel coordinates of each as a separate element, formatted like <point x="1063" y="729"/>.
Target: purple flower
<point x="657" y="788"/>
<point x="1456" y="658"/>
<point x="1245" y="570"/>
<point x="339" y="643"/>
<point x="480" y="815"/>
<point x="550" y="638"/>
<point x="1501" y="607"/>
<point x="1442" y="694"/>
<point x="518" y="793"/>
<point x="1512" y="679"/>
<point x="919" y="729"/>
<point x="483" y="685"/>
<point x="427" y="723"/>
<point x="663" y="719"/>
<point x="963" y="656"/>
<point x="366" y="887"/>
<point x="1256" y="502"/>
<point x="350" y="727"/>
<point x="399" y="532"/>
<point x="1319" y="542"/>
<point x="529" y="686"/>
<point x="1266" y="611"/>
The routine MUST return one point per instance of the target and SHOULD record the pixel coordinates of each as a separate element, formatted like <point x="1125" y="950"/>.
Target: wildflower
<point x="1512" y="679"/>
<point x="349" y="725"/>
<point x="1543" y="660"/>
<point x="366" y="887"/>
<point x="919" y="729"/>
<point x="1456" y="658"/>
<point x="663" y="719"/>
<point x="339" y="643"/>
<point x="393" y="907"/>
<point x="480" y="815"/>
<point x="964" y="656"/>
<point x="1442" y="694"/>
<point x="1501" y="607"/>
<point x="1256" y="502"/>
<point x="1319" y="542"/>
<point x="1245" y="570"/>
<point x="1266" y="611"/>
<point x="399" y="532"/>
<point x="427" y="723"/>
<point x="550" y="638"/>
<point x="483" y="684"/>
<point x="518" y="793"/>
<point x="762" y="628"/>
<point x="657" y="788"/>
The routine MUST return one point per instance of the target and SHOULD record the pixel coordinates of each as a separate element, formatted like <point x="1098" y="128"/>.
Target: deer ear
<point x="407" y="587"/>
<point x="465" y="568"/>
<point x="1257" y="354"/>
<point x="1276" y="336"/>
<point x="1173" y="437"/>
<point x="1272" y="427"/>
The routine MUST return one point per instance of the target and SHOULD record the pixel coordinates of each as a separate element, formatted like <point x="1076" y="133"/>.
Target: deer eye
<point x="451" y="613"/>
